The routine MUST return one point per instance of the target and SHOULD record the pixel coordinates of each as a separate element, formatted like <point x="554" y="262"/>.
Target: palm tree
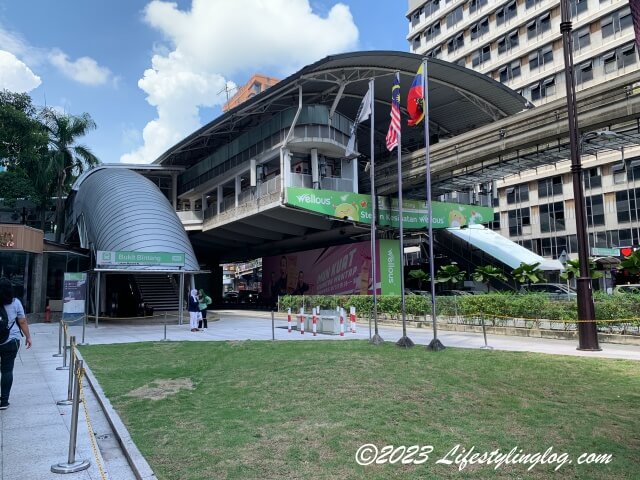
<point x="528" y="273"/>
<point x="67" y="158"/>
<point x="420" y="276"/>
<point x="485" y="274"/>
<point x="450" y="274"/>
<point x="632" y="262"/>
<point x="572" y="270"/>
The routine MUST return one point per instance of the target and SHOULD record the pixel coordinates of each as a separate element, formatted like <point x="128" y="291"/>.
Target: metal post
<point x="587" y="332"/>
<point x="59" y="354"/>
<point x="84" y="327"/>
<point x="64" y="351"/>
<point x="72" y="465"/>
<point x="484" y="332"/>
<point x="72" y="363"/>
<point x="97" y="297"/>
<point x="165" y="327"/>
<point x="273" y="326"/>
<point x="181" y="298"/>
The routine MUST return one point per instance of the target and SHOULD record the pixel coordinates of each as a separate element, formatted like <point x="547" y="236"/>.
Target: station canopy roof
<point x="459" y="100"/>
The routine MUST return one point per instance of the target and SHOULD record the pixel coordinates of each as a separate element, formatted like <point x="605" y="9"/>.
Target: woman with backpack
<point x="12" y="322"/>
<point x="203" y="302"/>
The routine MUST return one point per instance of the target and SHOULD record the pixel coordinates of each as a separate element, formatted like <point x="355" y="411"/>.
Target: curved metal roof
<point x="118" y="209"/>
<point x="459" y="100"/>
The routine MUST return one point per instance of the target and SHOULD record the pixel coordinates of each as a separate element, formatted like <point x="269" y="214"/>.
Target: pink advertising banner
<point x="344" y="269"/>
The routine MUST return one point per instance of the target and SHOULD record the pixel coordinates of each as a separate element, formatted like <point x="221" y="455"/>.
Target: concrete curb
<point x="137" y="462"/>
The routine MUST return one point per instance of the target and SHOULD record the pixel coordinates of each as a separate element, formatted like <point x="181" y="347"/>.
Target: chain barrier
<point x="92" y="437"/>
<point x="526" y="319"/>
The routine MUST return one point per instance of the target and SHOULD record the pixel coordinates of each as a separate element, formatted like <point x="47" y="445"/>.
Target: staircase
<point x="158" y="290"/>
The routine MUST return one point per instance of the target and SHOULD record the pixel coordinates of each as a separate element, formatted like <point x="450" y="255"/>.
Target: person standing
<point x="203" y="302"/>
<point x="194" y="310"/>
<point x="17" y="322"/>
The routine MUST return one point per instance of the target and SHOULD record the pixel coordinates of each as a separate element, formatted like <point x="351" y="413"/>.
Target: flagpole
<point x="376" y="339"/>
<point x="435" y="344"/>
<point x="405" y="341"/>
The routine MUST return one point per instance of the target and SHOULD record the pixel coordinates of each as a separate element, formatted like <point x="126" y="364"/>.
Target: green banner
<point x="165" y="259"/>
<point x="357" y="207"/>
<point x="389" y="254"/>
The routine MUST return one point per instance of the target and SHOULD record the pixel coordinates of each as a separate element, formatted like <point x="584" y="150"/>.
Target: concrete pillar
<point x="38" y="284"/>
<point x="174" y="190"/>
<point x="353" y="164"/>
<point x="286" y="167"/>
<point x="238" y="188"/>
<point x="315" y="171"/>
<point x="219" y="198"/>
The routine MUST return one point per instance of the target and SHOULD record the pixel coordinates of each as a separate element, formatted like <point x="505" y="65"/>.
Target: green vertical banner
<point x="389" y="255"/>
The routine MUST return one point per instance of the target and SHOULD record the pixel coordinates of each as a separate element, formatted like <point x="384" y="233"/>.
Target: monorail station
<point x="270" y="179"/>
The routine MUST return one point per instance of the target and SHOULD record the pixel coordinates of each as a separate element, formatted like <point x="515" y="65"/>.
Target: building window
<point x="455" y="43"/>
<point x="540" y="57"/>
<point x="476" y="5"/>
<point x="518" y="194"/>
<point x="531" y="3"/>
<point x="595" y="210"/>
<point x="518" y="218"/>
<point x="435" y="53"/>
<point x="481" y="55"/>
<point x="581" y="39"/>
<point x="592" y="178"/>
<point x="539" y="25"/>
<point x="431" y="7"/>
<point x="433" y="31"/>
<point x="454" y="16"/>
<point x="619" y="58"/>
<point x="584" y="72"/>
<point x="616" y="22"/>
<point x="509" y="72"/>
<point x="480" y="28"/>
<point x="506" y="13"/>
<point x="552" y="217"/>
<point x="548" y="187"/>
<point x="626" y="205"/>
<point x="619" y="173"/>
<point x="546" y="88"/>
<point x="415" y="18"/>
<point x="495" y="224"/>
<point x="508" y="42"/>
<point x="578" y="6"/>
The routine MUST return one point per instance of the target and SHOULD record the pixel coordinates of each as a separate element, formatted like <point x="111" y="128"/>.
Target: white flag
<point x="364" y="112"/>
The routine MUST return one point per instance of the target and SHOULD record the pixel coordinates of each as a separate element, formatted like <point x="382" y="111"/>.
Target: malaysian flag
<point x="394" y="126"/>
<point x="635" y="15"/>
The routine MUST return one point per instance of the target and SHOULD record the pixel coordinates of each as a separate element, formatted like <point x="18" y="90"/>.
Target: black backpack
<point x="5" y="328"/>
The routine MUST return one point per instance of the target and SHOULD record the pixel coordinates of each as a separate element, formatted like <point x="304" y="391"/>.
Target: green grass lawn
<point x="200" y="410"/>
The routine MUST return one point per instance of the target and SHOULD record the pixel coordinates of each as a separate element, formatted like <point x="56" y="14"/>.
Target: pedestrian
<point x="203" y="302"/>
<point x="13" y="313"/>
<point x="194" y="311"/>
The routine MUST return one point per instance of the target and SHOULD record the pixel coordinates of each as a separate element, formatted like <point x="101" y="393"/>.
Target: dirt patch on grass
<point x="161" y="389"/>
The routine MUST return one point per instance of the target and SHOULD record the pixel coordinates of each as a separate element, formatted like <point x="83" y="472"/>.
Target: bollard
<point x="352" y="318"/>
<point x="72" y="465"/>
<point x="341" y="322"/>
<point x="288" y="320"/>
<point x="72" y="363"/>
<point x="59" y="354"/>
<point x="484" y="332"/>
<point x="273" y="326"/>
<point x="64" y="351"/>
<point x="314" y="320"/>
<point x="302" y="321"/>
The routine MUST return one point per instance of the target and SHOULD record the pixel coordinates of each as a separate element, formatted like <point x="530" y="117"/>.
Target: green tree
<point x="528" y="273"/>
<point x="420" y="276"/>
<point x="450" y="274"/>
<point x="572" y="270"/>
<point x="484" y="274"/>
<point x="67" y="158"/>
<point x="632" y="262"/>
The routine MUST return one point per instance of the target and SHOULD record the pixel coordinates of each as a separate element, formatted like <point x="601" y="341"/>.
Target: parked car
<point x="230" y="297"/>
<point x="555" y="291"/>
<point x="628" y="288"/>
<point x="248" y="296"/>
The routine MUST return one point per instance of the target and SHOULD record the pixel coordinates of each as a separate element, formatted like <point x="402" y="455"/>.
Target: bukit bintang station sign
<point x="357" y="207"/>
<point x="118" y="258"/>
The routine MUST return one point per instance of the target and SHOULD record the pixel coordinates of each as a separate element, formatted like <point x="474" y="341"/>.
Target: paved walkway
<point x="35" y="431"/>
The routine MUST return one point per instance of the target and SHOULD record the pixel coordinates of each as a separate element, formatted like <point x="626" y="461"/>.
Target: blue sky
<point x="150" y="72"/>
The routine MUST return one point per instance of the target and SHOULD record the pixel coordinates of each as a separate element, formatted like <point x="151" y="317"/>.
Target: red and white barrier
<point x="289" y="320"/>
<point x="314" y="320"/>
<point x="341" y="321"/>
<point x="352" y="318"/>
<point x="302" y="321"/>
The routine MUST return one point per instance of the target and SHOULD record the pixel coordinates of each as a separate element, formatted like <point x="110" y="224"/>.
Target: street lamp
<point x="587" y="332"/>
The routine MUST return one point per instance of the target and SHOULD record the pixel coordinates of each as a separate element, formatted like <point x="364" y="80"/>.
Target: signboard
<point x="357" y="207"/>
<point x="605" y="252"/>
<point x="74" y="294"/>
<point x="117" y="258"/>
<point x="339" y="270"/>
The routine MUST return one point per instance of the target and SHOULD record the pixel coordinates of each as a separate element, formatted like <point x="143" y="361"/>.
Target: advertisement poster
<point x="357" y="207"/>
<point x="74" y="295"/>
<point x="339" y="270"/>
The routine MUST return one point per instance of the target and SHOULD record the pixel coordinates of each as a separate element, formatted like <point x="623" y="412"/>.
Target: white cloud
<point x="15" y="76"/>
<point x="84" y="70"/>
<point x="218" y="39"/>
